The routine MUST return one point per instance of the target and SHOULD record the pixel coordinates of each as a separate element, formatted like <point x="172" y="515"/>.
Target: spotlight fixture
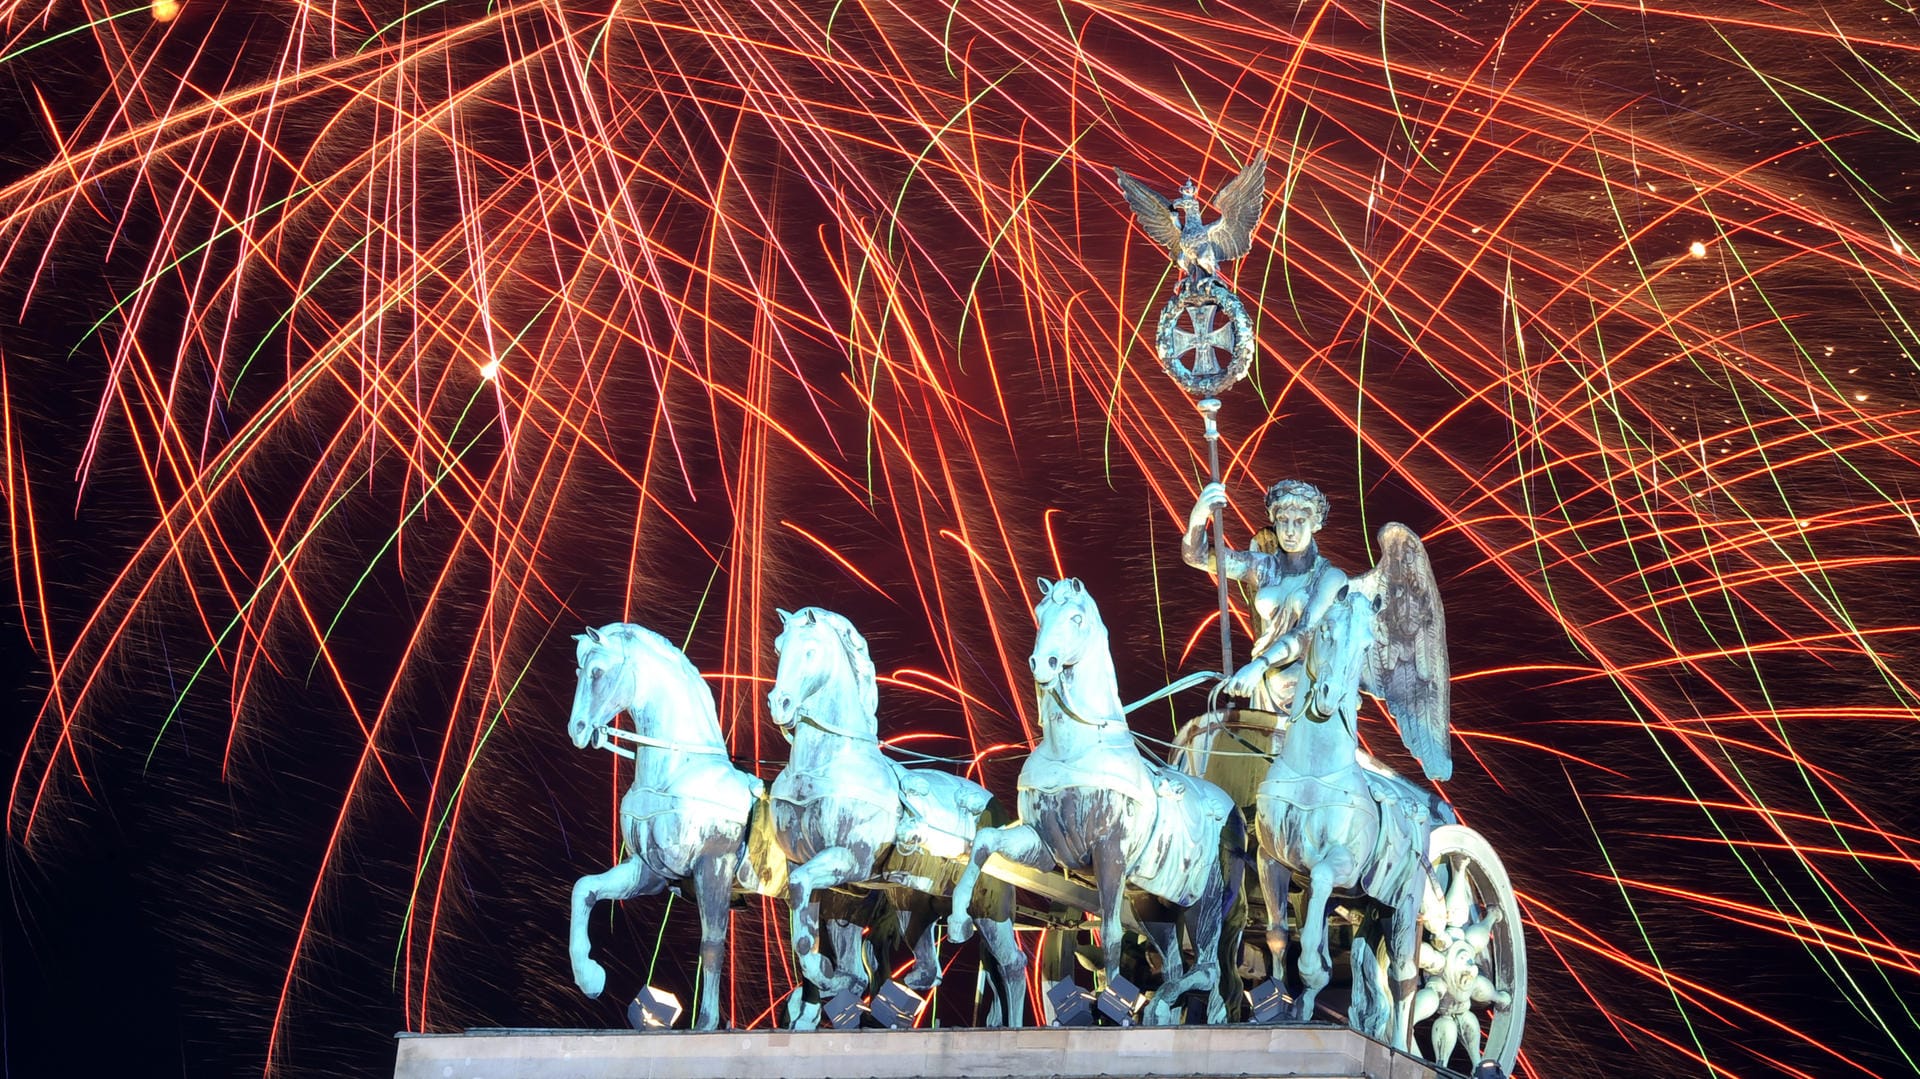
<point x="653" y="1009"/>
<point x="1121" y="1001"/>
<point x="843" y="1011"/>
<point x="896" y="1006"/>
<point x="1269" y="1001"/>
<point x="1072" y="1005"/>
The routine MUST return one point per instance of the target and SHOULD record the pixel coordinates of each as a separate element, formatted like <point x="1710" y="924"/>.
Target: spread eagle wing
<point x="1155" y="213"/>
<point x="1239" y="203"/>
<point x="1407" y="666"/>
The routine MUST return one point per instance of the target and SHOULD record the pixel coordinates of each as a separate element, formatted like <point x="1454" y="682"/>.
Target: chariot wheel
<point x="1472" y="997"/>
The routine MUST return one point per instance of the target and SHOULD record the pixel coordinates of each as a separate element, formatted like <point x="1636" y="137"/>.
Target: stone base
<point x="1298" y="1051"/>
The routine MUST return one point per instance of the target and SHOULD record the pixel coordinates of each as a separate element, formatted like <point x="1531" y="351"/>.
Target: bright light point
<point x="1859" y="396"/>
<point x="1805" y="524"/>
<point x="1697" y="249"/>
<point x="490" y="370"/>
<point x="165" y="10"/>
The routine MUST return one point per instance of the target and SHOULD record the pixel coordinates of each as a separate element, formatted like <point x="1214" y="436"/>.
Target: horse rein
<point x="604" y="736"/>
<point x="1052" y="689"/>
<point x="823" y="725"/>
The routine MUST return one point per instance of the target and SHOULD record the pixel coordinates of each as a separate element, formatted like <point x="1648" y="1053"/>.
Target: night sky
<point x="353" y="357"/>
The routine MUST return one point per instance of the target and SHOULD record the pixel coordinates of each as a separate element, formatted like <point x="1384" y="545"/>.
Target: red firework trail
<point x="358" y="353"/>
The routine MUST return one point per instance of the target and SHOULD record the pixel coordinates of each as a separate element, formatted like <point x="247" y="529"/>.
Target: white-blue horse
<point x="685" y="819"/>
<point x="1091" y="803"/>
<point x="1352" y="830"/>
<point x="847" y="815"/>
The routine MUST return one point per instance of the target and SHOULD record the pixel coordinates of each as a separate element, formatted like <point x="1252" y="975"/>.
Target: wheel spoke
<point x="1473" y="963"/>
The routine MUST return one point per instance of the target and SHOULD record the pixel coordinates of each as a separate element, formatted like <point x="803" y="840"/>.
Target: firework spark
<point x="358" y="353"/>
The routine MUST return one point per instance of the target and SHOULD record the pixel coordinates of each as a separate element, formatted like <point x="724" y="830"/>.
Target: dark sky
<point x="765" y="296"/>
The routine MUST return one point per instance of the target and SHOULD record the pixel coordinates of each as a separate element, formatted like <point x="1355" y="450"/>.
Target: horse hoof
<point x="591" y="978"/>
<point x="959" y="928"/>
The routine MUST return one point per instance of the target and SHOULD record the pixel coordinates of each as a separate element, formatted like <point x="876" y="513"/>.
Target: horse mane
<point x="855" y="647"/>
<point x="1341" y="623"/>
<point x="1069" y="593"/>
<point x="1358" y="622"/>
<point x="643" y="642"/>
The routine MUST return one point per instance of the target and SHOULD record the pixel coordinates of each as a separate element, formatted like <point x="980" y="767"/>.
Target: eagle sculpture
<point x="1200" y="247"/>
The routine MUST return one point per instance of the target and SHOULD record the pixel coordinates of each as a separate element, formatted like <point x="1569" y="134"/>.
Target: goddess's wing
<point x="1407" y="666"/>
<point x="1155" y="213"/>
<point x="1239" y="203"/>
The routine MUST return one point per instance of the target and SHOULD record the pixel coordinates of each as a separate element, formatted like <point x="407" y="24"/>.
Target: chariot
<point x="1461" y="988"/>
<point x="1180" y="854"/>
<point x="1472" y="953"/>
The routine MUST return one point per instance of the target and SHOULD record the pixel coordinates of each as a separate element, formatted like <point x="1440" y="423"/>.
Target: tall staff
<point x="1203" y="318"/>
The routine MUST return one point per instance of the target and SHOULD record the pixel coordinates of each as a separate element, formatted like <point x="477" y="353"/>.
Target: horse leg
<point x="828" y="869"/>
<point x="1316" y="966"/>
<point x="1110" y="873"/>
<point x="803" y="1008"/>
<point x="1204" y="922"/>
<point x="1017" y="842"/>
<point x="917" y="922"/>
<point x="1056" y="958"/>
<point x="1165" y="938"/>
<point x="713" y="889"/>
<point x="1227" y="999"/>
<point x="853" y="958"/>
<point x="1008" y="971"/>
<point x="1208" y="926"/>
<point x="1275" y="881"/>
<point x="623" y="881"/>
<point x="1403" y="960"/>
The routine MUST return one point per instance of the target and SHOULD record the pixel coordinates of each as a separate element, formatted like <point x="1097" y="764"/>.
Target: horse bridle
<point x="604" y="734"/>
<point x="811" y="720"/>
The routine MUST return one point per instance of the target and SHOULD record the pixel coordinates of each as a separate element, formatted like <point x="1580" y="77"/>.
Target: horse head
<point x="604" y="686"/>
<point x="821" y="653"/>
<point x="1335" y="652"/>
<point x="1069" y="625"/>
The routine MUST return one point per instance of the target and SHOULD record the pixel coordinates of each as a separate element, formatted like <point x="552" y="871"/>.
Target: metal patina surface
<point x="1438" y="953"/>
<point x="684" y="820"/>
<point x="846" y="814"/>
<point x="1329" y="812"/>
<point x="1090" y="802"/>
<point x="1203" y="319"/>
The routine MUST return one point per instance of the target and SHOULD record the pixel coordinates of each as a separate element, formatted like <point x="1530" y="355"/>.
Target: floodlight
<point x="843" y="1011"/>
<point x="1269" y="1001"/>
<point x="1121" y="1001"/>
<point x="1072" y="1005"/>
<point x="896" y="1006"/>
<point x="653" y="1009"/>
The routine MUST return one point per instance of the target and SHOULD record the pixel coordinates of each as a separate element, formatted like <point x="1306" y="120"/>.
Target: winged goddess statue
<point x="1199" y="247"/>
<point x="1294" y="586"/>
